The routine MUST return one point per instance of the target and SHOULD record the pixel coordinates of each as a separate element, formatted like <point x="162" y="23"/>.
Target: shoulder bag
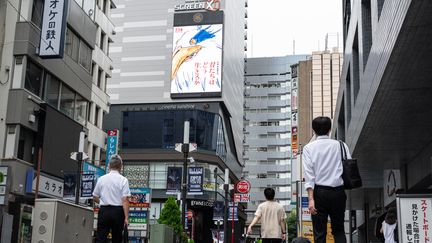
<point x="350" y="175"/>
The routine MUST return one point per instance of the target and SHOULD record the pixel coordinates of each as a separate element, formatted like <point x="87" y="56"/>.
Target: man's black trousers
<point x="329" y="201"/>
<point x="110" y="218"/>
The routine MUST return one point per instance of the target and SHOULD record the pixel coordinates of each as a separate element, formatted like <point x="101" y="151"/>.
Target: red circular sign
<point x="243" y="186"/>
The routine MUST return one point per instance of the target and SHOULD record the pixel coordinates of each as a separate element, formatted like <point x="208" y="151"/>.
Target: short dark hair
<point x="269" y="193"/>
<point x="321" y="125"/>
<point x="391" y="216"/>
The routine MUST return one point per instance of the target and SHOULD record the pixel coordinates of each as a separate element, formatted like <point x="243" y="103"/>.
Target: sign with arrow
<point x="192" y="147"/>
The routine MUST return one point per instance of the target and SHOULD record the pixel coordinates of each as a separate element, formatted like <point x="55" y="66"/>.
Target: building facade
<point x="267" y="128"/>
<point x="46" y="102"/>
<point x="176" y="61"/>
<point x="383" y="104"/>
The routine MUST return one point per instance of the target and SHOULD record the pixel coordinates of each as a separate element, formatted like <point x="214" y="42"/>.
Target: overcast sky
<point x="274" y="24"/>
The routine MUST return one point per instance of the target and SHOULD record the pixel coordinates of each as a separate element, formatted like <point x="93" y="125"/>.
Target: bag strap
<point x="343" y="151"/>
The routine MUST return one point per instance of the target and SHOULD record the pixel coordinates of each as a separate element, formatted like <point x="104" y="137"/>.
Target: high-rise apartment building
<point x="326" y="70"/>
<point x="46" y="102"/>
<point x="267" y="128"/>
<point x="177" y="61"/>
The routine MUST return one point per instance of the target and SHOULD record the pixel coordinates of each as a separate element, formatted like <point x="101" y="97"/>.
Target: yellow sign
<point x="308" y="232"/>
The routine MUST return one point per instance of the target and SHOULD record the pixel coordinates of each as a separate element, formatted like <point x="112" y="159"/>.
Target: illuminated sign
<point x="210" y="5"/>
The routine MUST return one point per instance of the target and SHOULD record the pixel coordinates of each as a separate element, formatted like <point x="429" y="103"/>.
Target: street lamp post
<point x="185" y="150"/>
<point x="226" y="188"/>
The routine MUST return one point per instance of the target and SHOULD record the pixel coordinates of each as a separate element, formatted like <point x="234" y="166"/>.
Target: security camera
<point x="191" y="159"/>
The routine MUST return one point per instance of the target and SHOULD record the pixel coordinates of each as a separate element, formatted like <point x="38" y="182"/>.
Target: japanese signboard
<point x="53" y="28"/>
<point x="233" y="212"/>
<point x="140" y="197"/>
<point x="138" y="220"/>
<point x="240" y="197"/>
<point x="195" y="180"/>
<point x="87" y="185"/>
<point x="197" y="57"/>
<point x="174" y="180"/>
<point x="415" y="218"/>
<point x="307" y="232"/>
<point x="112" y="144"/>
<point x="48" y="186"/>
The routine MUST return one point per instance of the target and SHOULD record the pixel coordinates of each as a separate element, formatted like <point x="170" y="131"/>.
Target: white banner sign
<point x="53" y="28"/>
<point x="415" y="219"/>
<point x="49" y="186"/>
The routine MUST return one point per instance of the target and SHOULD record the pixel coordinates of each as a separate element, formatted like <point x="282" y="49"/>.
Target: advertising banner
<point x="195" y="180"/>
<point x="174" y="180"/>
<point x="138" y="220"/>
<point x="197" y="57"/>
<point x="112" y="144"/>
<point x="233" y="212"/>
<point x="87" y="185"/>
<point x="308" y="232"/>
<point x="415" y="218"/>
<point x="218" y="210"/>
<point x="141" y="197"/>
<point x="69" y="185"/>
<point x="53" y="29"/>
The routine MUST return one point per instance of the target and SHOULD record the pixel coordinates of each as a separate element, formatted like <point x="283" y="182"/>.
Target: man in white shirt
<point x="272" y="217"/>
<point x="323" y="169"/>
<point x="112" y="193"/>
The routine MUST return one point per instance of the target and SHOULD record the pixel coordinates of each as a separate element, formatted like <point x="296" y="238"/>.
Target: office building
<point x="383" y="108"/>
<point x="46" y="102"/>
<point x="267" y="128"/>
<point x="168" y="68"/>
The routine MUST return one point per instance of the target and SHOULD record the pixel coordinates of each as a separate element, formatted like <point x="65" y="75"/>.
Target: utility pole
<point x="226" y="188"/>
<point x="79" y="158"/>
<point x="185" y="150"/>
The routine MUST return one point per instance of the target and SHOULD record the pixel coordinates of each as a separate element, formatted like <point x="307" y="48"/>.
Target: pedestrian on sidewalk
<point x="323" y="169"/>
<point x="389" y="225"/>
<point x="272" y="217"/>
<point x="112" y="193"/>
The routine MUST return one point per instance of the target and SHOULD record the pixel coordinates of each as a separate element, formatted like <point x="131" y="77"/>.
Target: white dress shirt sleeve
<point x="125" y="190"/>
<point x="347" y="151"/>
<point x="308" y="167"/>
<point x="97" y="190"/>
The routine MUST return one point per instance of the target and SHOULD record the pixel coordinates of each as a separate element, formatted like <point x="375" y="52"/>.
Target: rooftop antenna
<point x="293" y="46"/>
<point x="326" y="42"/>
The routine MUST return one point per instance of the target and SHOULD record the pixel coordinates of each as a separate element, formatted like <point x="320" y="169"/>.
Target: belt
<point x="337" y="188"/>
<point x="110" y="206"/>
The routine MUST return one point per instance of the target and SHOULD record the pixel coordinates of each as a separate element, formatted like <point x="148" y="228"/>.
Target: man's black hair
<point x="321" y="125"/>
<point x="269" y="193"/>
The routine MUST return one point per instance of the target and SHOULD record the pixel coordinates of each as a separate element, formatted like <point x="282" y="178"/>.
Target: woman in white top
<point x="389" y="225"/>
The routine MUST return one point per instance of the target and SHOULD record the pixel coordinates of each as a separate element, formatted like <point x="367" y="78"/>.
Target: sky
<point x="274" y="24"/>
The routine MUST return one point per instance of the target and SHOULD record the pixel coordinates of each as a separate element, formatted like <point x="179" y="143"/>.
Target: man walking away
<point x="112" y="192"/>
<point x="272" y="216"/>
<point x="323" y="169"/>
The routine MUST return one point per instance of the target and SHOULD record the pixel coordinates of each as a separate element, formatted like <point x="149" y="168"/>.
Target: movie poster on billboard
<point x="174" y="178"/>
<point x="195" y="180"/>
<point x="197" y="60"/>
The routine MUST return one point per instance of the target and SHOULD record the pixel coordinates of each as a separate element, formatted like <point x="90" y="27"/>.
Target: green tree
<point x="292" y="227"/>
<point x="171" y="216"/>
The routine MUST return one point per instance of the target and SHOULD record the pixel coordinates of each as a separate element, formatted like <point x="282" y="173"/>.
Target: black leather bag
<point x="125" y="234"/>
<point x="351" y="175"/>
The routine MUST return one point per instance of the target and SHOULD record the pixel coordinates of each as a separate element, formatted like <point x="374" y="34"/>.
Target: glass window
<point x="33" y="79"/>
<point x="67" y="100"/>
<point x="37" y="12"/>
<point x="72" y="45"/>
<point x="85" y="56"/>
<point x="52" y="90"/>
<point x="81" y="109"/>
<point x="26" y="145"/>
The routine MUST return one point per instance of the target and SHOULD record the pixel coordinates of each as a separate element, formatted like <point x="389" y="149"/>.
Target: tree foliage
<point x="292" y="227"/>
<point x="171" y="216"/>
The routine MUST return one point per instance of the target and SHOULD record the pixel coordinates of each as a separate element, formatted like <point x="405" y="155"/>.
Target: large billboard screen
<point x="197" y="59"/>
